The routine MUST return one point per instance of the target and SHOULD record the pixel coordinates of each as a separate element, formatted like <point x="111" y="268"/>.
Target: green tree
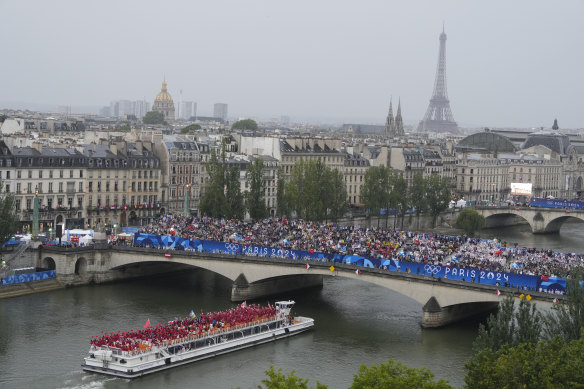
<point x="375" y="191"/>
<point x="255" y="197"/>
<point x="509" y="328"/>
<point x="548" y="364"/>
<point x="399" y="196"/>
<point x="235" y="208"/>
<point x="279" y="380"/>
<point x="191" y="128"/>
<point x="8" y="215"/>
<point x="245" y="124"/>
<point x="213" y="202"/>
<point x="282" y="207"/>
<point x="315" y="191"/>
<point x="394" y="375"/>
<point x="567" y="317"/>
<point x="470" y="221"/>
<point x="337" y="204"/>
<point x="418" y="193"/>
<point x="437" y="195"/>
<point x="153" y="117"/>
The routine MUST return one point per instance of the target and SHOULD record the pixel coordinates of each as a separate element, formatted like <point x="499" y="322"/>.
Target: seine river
<point x="44" y="337"/>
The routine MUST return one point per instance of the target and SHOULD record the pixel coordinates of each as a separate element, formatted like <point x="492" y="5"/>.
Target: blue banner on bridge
<point x="42" y="275"/>
<point x="514" y="280"/>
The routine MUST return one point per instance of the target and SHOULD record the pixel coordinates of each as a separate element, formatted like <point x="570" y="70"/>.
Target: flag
<point x="528" y="297"/>
<point x="498" y="292"/>
<point x="307" y="266"/>
<point x="192" y="314"/>
<point x="332" y="268"/>
<point x="357" y="271"/>
<point x="545" y="278"/>
<point x="243" y="304"/>
<point x="556" y="300"/>
<point x="521" y="296"/>
<point x="147" y="324"/>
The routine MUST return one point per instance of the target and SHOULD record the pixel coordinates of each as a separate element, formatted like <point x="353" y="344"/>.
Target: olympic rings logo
<point x="432" y="269"/>
<point x="231" y="246"/>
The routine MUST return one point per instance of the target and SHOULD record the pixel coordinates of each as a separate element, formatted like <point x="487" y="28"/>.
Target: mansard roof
<point x="487" y="141"/>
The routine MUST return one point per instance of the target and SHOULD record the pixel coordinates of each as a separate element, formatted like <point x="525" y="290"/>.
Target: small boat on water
<point x="136" y="353"/>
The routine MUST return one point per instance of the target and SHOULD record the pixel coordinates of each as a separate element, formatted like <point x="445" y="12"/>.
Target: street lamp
<point x="187" y="210"/>
<point x="35" y="214"/>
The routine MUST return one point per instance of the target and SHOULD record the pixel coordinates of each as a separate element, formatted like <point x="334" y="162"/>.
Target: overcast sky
<point x="509" y="63"/>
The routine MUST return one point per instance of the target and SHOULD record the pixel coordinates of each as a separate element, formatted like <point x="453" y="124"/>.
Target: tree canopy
<point x="255" y="197"/>
<point x="153" y="117"/>
<point x="470" y="221"/>
<point x="245" y="124"/>
<point x="191" y="128"/>
<point x="394" y="375"/>
<point x="547" y="364"/>
<point x="315" y="191"/>
<point x="9" y="224"/>
<point x="213" y="202"/>
<point x="510" y="327"/>
<point x="567" y="317"/>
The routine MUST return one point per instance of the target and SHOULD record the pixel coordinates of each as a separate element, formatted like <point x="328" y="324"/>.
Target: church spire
<point x="164" y="84"/>
<point x="389" y="122"/>
<point x="399" y="123"/>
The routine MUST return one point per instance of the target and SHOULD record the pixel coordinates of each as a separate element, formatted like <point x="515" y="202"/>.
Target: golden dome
<point x="163" y="95"/>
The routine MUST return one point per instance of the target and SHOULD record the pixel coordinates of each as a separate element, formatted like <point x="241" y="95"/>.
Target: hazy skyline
<point x="509" y="64"/>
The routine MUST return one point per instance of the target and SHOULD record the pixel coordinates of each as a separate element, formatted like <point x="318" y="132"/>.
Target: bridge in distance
<point x="541" y="220"/>
<point x="444" y="300"/>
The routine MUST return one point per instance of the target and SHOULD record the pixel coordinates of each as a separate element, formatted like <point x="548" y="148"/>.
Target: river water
<point x="43" y="337"/>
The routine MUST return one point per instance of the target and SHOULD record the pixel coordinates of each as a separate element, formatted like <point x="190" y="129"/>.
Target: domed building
<point x="163" y="103"/>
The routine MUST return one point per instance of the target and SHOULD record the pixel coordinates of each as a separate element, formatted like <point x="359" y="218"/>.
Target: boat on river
<point x="137" y="353"/>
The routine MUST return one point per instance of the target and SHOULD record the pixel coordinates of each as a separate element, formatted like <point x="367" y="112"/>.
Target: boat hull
<point x="169" y="361"/>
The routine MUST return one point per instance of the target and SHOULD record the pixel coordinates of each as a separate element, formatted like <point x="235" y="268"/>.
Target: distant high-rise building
<point x="438" y="117"/>
<point x="64" y="110"/>
<point x="141" y="107"/>
<point x="187" y="109"/>
<point x="126" y="107"/>
<point x="220" y="111"/>
<point x="105" y="111"/>
<point x="115" y="109"/>
<point x="164" y="103"/>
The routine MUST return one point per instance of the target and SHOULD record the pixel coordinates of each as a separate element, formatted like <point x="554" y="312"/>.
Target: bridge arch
<point x="48" y="263"/>
<point x="80" y="266"/>
<point x="507" y="217"/>
<point x="556" y="224"/>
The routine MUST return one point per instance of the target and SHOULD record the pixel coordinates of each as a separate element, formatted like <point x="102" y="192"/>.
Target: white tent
<point x="86" y="240"/>
<point x="461" y="203"/>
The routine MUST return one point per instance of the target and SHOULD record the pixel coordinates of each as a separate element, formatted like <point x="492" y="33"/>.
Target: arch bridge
<point x="444" y="301"/>
<point x="541" y="220"/>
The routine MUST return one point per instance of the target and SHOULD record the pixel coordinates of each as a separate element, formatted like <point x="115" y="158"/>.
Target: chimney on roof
<point x="38" y="146"/>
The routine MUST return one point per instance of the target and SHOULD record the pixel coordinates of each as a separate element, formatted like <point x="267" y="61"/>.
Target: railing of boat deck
<point x="145" y="347"/>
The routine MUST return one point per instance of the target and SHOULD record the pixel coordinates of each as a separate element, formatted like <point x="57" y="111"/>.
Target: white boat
<point x="146" y="357"/>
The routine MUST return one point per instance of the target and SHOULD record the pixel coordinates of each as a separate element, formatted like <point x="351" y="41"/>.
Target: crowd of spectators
<point x="372" y="242"/>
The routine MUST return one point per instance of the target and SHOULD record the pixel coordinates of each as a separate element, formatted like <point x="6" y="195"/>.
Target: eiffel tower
<point x="438" y="117"/>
